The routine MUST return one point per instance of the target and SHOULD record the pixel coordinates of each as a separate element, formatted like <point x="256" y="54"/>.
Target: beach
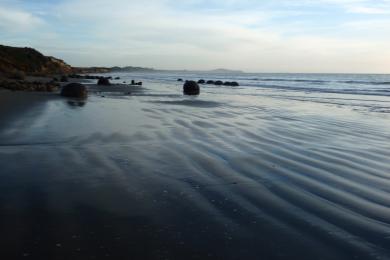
<point x="281" y="167"/>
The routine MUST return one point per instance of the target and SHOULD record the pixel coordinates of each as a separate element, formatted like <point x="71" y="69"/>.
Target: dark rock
<point x="117" y="78"/>
<point x="201" y="81"/>
<point x="75" y="76"/>
<point x="191" y="88"/>
<point x="232" y="84"/>
<point x="136" y="83"/>
<point x="74" y="90"/>
<point x="91" y="77"/>
<point x="104" y="82"/>
<point x="51" y="87"/>
<point x="180" y="80"/>
<point x="29" y="86"/>
<point x="210" y="82"/>
<point x="18" y="75"/>
<point x="64" y="79"/>
<point x="218" y="83"/>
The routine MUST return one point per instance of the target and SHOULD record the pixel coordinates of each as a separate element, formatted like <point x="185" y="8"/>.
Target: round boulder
<point x="103" y="81"/>
<point x="191" y="88"/>
<point x="75" y="90"/>
<point x="201" y="81"/>
<point x="218" y="83"/>
<point x="210" y="82"/>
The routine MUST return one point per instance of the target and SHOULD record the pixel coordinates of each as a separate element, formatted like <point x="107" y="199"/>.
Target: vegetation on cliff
<point x="14" y="61"/>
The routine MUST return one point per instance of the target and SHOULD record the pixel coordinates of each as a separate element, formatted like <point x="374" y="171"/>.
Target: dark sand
<point x="155" y="175"/>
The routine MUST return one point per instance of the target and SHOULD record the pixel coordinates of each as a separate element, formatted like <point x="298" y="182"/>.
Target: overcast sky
<point x="251" y="35"/>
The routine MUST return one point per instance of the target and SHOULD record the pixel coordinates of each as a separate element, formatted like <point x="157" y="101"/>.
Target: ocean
<point x="285" y="166"/>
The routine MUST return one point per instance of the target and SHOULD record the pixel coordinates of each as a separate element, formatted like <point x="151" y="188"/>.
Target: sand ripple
<point x="169" y="177"/>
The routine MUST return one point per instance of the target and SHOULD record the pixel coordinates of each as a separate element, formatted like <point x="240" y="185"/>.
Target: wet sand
<point x="151" y="174"/>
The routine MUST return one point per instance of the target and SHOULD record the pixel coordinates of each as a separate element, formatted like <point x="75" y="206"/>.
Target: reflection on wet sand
<point x="73" y="103"/>
<point x="166" y="177"/>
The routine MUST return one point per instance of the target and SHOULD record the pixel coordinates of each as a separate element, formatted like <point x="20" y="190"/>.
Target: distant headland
<point x="25" y="60"/>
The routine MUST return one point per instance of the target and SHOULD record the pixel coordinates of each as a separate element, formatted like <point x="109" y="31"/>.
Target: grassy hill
<point x="30" y="61"/>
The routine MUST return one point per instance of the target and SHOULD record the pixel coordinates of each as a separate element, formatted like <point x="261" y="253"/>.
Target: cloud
<point x="284" y="35"/>
<point x="13" y="20"/>
<point x="368" y="10"/>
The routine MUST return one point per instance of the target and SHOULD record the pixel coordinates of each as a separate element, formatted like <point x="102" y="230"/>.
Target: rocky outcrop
<point x="191" y="88"/>
<point x="75" y="90"/>
<point x="29" y="86"/>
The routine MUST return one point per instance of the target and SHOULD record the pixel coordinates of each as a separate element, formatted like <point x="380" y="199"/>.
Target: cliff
<point x="30" y="61"/>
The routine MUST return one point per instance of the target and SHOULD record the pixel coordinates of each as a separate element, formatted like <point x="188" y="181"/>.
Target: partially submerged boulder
<point x="201" y="81"/>
<point x="191" y="88"/>
<point x="231" y="83"/>
<point x="210" y="82"/>
<point x="218" y="83"/>
<point x="75" y="90"/>
<point x="104" y="81"/>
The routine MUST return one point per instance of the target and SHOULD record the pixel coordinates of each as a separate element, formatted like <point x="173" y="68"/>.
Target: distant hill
<point x="30" y="61"/>
<point x="216" y="71"/>
<point x="226" y="71"/>
<point x="86" y="70"/>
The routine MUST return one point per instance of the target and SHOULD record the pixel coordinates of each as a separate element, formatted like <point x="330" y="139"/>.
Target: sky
<point x="312" y="36"/>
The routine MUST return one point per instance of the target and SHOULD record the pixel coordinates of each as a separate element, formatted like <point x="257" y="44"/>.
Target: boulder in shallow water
<point x="191" y="88"/>
<point x="218" y="83"/>
<point x="231" y="84"/>
<point x="201" y="81"/>
<point x="104" y="81"/>
<point x="210" y="82"/>
<point x="75" y="90"/>
<point x="180" y="80"/>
